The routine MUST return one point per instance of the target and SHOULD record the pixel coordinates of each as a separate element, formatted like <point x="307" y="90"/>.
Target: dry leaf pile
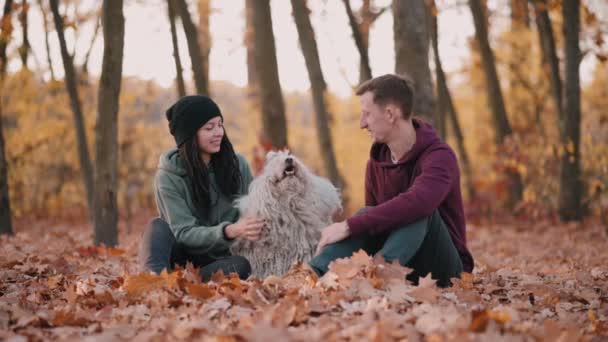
<point x="547" y="283"/>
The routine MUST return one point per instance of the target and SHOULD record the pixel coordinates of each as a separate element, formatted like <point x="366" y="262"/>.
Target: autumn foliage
<point x="535" y="278"/>
<point x="55" y="285"/>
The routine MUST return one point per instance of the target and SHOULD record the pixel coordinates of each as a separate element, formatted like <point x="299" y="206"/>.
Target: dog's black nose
<point x="289" y="161"/>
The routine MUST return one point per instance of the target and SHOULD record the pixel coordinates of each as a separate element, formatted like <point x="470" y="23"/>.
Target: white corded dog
<point x="296" y="205"/>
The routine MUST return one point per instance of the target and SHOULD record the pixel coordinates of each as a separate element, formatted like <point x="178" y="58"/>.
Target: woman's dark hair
<point x="225" y="166"/>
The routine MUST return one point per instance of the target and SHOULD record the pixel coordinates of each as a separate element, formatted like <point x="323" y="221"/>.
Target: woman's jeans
<point x="425" y="246"/>
<point x="159" y="250"/>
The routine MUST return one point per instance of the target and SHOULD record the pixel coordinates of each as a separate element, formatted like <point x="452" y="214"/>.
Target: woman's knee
<point x="156" y="246"/>
<point x="241" y="266"/>
<point x="158" y="227"/>
<point x="231" y="264"/>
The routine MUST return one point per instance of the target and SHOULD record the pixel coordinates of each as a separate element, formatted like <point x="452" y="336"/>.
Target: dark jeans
<point x="425" y="246"/>
<point x="159" y="250"/>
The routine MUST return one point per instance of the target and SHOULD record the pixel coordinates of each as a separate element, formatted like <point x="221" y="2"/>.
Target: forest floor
<point x="539" y="281"/>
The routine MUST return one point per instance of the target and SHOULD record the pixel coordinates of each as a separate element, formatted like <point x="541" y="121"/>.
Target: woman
<point x="194" y="188"/>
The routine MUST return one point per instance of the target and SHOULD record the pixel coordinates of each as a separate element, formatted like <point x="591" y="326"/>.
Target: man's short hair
<point x="391" y="88"/>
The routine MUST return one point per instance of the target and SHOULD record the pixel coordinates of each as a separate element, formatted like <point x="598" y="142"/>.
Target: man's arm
<point x="370" y="199"/>
<point x="439" y="170"/>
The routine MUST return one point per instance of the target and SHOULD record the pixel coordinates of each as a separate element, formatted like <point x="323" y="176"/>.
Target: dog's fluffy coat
<point x="296" y="205"/>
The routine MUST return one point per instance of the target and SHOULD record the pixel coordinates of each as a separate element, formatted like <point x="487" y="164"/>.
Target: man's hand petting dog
<point x="249" y="228"/>
<point x="333" y="233"/>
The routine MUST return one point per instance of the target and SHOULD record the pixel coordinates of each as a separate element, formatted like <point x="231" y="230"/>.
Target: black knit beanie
<point x="189" y="114"/>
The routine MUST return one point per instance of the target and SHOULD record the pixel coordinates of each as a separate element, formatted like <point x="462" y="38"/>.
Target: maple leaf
<point x="344" y="268"/>
<point x="392" y="270"/>
<point x="264" y="331"/>
<point x="70" y="317"/>
<point x="218" y="276"/>
<point x="192" y="274"/>
<point x="136" y="285"/>
<point x="113" y="251"/>
<point x="283" y="313"/>
<point x="172" y="279"/>
<point x="464" y="282"/>
<point x="361" y="259"/>
<point x="272" y="280"/>
<point x="398" y="292"/>
<point x="256" y="297"/>
<point x="481" y="318"/>
<point x="55" y="280"/>
<point x="432" y="319"/>
<point x="329" y="280"/>
<point x="200" y="291"/>
<point x="87" y="251"/>
<point x="599" y="327"/>
<point x="299" y="275"/>
<point x="426" y="290"/>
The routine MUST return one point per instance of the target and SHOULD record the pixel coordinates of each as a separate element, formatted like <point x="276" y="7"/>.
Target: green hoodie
<point x="172" y="191"/>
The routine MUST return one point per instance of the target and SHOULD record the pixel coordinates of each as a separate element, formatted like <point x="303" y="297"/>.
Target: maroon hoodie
<point x="424" y="179"/>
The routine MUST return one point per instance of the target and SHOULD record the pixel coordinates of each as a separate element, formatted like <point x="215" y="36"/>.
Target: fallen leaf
<point x="200" y="291"/>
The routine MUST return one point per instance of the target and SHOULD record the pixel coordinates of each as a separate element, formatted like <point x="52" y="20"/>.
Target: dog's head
<point x="285" y="173"/>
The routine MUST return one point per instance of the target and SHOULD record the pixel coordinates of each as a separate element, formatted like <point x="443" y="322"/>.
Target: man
<point x="414" y="212"/>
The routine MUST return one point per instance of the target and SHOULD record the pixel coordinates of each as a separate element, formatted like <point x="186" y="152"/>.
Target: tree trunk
<point x="72" y="89"/>
<point x="497" y="106"/>
<point x="439" y="76"/>
<point x="570" y="194"/>
<point x="519" y="53"/>
<point x="25" y="45"/>
<point x="45" y="24"/>
<point x="446" y="105"/>
<point x="252" y="77"/>
<point x="6" y="225"/>
<point x="179" y="71"/>
<point x="368" y="15"/>
<point x="196" y="57"/>
<point x="85" y="64"/>
<point x="5" y="35"/>
<point x="519" y="13"/>
<point x="550" y="59"/>
<point x="274" y="123"/>
<point x="502" y="126"/>
<point x="318" y="86"/>
<point x="411" y="36"/>
<point x="106" y="158"/>
<point x="365" y="71"/>
<point x="204" y="37"/>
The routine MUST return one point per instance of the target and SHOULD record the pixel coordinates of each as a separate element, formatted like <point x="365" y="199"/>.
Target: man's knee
<point x="320" y="264"/>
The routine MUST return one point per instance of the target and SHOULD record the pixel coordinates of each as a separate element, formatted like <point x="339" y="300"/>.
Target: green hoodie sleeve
<point x="176" y="211"/>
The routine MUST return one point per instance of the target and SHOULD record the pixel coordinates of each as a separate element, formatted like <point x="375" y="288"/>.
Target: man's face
<point x="374" y="118"/>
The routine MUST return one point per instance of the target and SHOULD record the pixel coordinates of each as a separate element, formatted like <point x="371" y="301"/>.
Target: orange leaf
<point x="87" y="251"/>
<point x="200" y="291"/>
<point x="69" y="317"/>
<point x="141" y="283"/>
<point x="479" y="321"/>
<point x="112" y="251"/>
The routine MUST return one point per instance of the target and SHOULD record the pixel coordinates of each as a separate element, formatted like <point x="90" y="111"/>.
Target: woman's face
<point x="209" y="137"/>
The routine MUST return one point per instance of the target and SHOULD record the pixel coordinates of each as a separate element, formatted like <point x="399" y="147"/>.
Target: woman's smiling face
<point x="210" y="135"/>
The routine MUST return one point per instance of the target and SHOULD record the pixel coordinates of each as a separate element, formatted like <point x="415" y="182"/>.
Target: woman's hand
<point x="249" y="228"/>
